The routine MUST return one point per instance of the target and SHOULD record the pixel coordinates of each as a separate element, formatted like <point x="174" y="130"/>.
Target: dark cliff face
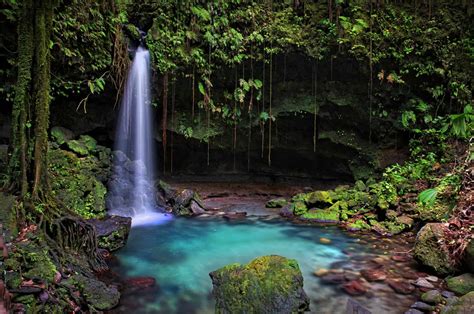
<point x="343" y="149"/>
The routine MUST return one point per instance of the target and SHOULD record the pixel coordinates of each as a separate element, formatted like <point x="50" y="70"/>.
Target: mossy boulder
<point x="112" y="231"/>
<point x="268" y="284"/>
<point x="98" y="295"/>
<point x="319" y="197"/>
<point x="61" y="135"/>
<point x="461" y="284"/>
<point x="83" y="146"/>
<point x="276" y="203"/>
<point x="299" y="208"/>
<point x="429" y="251"/>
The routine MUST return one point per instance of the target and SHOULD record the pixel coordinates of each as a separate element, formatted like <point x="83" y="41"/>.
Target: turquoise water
<point x="180" y="253"/>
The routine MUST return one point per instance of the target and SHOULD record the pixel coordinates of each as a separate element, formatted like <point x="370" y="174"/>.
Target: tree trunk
<point x="28" y="163"/>
<point x="19" y="161"/>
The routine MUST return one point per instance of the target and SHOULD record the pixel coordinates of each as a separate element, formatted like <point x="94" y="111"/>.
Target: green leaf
<point x="201" y="88"/>
<point x="428" y="197"/>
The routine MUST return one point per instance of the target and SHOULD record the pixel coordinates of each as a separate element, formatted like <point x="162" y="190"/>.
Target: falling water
<point x="131" y="188"/>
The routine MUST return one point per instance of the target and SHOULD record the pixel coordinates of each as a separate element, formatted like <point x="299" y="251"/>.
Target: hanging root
<point x="75" y="235"/>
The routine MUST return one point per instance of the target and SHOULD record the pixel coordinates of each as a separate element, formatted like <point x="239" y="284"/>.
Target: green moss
<point x="358" y="225"/>
<point x="319" y="197"/>
<point x="61" y="135"/>
<point x="77" y="181"/>
<point x="89" y="142"/>
<point x="133" y="31"/>
<point x="78" y="147"/>
<point x="276" y="203"/>
<point x="12" y="264"/>
<point x="265" y="285"/>
<point x="299" y="208"/>
<point x="322" y="215"/>
<point x="461" y="284"/>
<point x="12" y="279"/>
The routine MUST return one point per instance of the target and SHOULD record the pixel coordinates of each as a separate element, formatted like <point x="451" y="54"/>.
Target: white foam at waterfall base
<point x="151" y="218"/>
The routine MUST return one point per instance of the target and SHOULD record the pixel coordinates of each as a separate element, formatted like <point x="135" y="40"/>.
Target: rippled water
<point x="181" y="253"/>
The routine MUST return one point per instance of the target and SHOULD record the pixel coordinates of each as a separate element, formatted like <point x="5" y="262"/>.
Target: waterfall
<point x="131" y="189"/>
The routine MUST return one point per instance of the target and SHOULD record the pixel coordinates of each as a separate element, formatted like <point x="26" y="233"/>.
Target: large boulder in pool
<point x="112" y="231"/>
<point x="429" y="250"/>
<point x="268" y="284"/>
<point x="184" y="202"/>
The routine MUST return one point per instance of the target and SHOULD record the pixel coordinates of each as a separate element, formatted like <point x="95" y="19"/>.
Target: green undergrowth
<point x="394" y="202"/>
<point x="78" y="170"/>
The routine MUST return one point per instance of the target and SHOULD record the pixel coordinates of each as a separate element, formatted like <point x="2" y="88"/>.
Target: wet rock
<point x="448" y="294"/>
<point x="462" y="305"/>
<point x="423" y="283"/>
<point x="286" y="212"/>
<point x="405" y="220"/>
<point x="432" y="278"/>
<point x="97" y="294"/>
<point x="351" y="275"/>
<point x="119" y="158"/>
<point x="324" y="240"/>
<point x="196" y="208"/>
<point x="401" y="287"/>
<point x="112" y="231"/>
<point x="432" y="297"/>
<point x="333" y="278"/>
<point x="354" y="287"/>
<point x="374" y="274"/>
<point x="268" y="284"/>
<point x="276" y="203"/>
<point x="235" y="215"/>
<point x="321" y="272"/>
<point x="428" y="250"/>
<point x="461" y="284"/>
<point x="354" y="307"/>
<point x="422" y="306"/>
<point x="401" y="258"/>
<point x="414" y="311"/>
<point x="186" y="203"/>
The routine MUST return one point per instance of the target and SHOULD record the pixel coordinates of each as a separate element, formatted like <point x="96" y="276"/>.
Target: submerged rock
<point x="268" y="284"/>
<point x="401" y="287"/>
<point x="429" y="251"/>
<point x="112" y="231"/>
